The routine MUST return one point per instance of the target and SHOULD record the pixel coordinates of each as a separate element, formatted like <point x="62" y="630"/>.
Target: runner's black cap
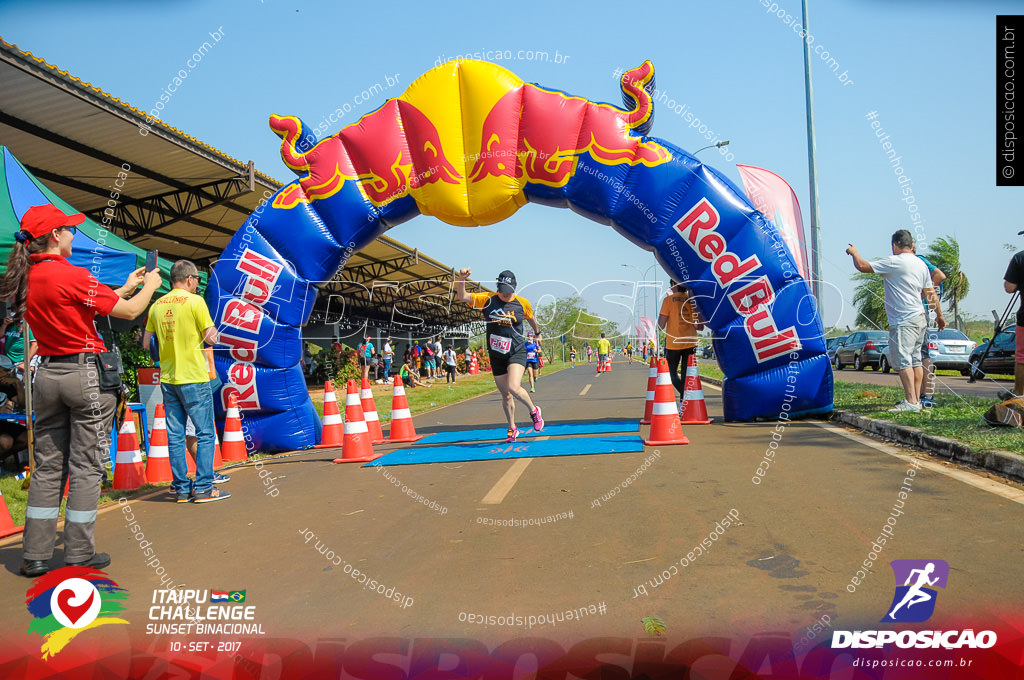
<point x="506" y="282"/>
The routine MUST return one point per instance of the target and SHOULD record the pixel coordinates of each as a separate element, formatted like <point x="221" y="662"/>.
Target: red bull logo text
<point x="753" y="300"/>
<point x="245" y="313"/>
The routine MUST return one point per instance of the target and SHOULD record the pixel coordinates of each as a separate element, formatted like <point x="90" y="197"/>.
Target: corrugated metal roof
<point x="75" y="137"/>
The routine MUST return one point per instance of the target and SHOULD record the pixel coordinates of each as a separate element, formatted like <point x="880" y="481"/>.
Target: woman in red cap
<point x="73" y="416"/>
<point x="506" y="344"/>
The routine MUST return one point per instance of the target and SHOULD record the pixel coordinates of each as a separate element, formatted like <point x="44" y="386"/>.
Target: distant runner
<point x="532" y="361"/>
<point x="572" y="355"/>
<point x="505" y="312"/>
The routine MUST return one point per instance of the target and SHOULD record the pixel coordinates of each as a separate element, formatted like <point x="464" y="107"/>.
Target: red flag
<point x="776" y="200"/>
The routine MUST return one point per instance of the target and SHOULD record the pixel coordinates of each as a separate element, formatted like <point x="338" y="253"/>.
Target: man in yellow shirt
<point x="680" y="321"/>
<point x="181" y="323"/>
<point x="604" y="348"/>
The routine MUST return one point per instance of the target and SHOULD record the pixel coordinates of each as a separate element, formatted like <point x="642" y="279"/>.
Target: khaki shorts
<point x="905" y="342"/>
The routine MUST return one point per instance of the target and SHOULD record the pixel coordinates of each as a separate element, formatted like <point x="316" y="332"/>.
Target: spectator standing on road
<point x="604" y="349"/>
<point x="906" y="282"/>
<point x="181" y="323"/>
<point x="937" y="276"/>
<point x="680" y="320"/>
<point x="1013" y="280"/>
<point x="72" y="415"/>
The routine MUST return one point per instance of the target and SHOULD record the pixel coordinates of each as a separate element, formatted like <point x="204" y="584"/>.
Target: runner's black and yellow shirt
<point x="504" y="321"/>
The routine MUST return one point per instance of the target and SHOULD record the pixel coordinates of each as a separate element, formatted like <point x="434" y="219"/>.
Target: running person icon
<point x="506" y="345"/>
<point x="916" y="595"/>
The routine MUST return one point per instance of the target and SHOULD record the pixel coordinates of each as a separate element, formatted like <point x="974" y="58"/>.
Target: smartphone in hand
<point x="151" y="260"/>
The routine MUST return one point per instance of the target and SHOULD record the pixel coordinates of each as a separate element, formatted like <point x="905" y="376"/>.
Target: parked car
<point x="830" y="347"/>
<point x="863" y="348"/>
<point x="1000" y="358"/>
<point x="949" y="348"/>
<point x="707" y="352"/>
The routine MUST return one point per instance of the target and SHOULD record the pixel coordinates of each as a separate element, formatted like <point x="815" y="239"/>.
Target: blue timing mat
<point x="520" y="449"/>
<point x="608" y="427"/>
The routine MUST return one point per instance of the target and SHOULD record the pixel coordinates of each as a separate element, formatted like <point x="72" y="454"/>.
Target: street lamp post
<point x="718" y="145"/>
<point x="643" y="300"/>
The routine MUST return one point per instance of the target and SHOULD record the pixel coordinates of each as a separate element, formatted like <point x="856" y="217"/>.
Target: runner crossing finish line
<point x="505" y="312"/>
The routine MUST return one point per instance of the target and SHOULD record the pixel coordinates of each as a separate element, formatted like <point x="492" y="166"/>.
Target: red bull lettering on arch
<point x="470" y="143"/>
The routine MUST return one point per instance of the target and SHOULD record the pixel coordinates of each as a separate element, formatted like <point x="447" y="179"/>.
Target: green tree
<point x="569" y="316"/>
<point x="945" y="254"/>
<point x="869" y="301"/>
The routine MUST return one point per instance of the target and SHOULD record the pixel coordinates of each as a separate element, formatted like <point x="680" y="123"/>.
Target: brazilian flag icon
<point x="237" y="596"/>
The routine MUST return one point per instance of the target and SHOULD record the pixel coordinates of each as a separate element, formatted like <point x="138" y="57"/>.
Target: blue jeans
<point x="387" y="369"/>
<point x="194" y="400"/>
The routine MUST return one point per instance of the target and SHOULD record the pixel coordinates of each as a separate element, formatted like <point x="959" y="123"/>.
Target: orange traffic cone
<point x="158" y="458"/>
<point x="665" y="426"/>
<point x="128" y="472"/>
<point x="218" y="460"/>
<point x="474" y="367"/>
<point x="652" y="379"/>
<point x="693" y="410"/>
<point x="608" y="367"/>
<point x="356" y="448"/>
<point x="234" y="440"/>
<point x="370" y="413"/>
<point x="7" y="527"/>
<point x="402" y="429"/>
<point x="331" y="431"/>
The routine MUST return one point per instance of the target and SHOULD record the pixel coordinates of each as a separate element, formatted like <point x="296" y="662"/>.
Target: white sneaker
<point x="906" y="407"/>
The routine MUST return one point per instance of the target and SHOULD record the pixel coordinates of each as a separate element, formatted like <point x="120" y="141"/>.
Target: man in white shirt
<point x="906" y="282"/>
<point x="389" y="356"/>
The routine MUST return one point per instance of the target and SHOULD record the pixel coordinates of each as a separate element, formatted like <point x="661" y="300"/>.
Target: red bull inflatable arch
<point x="470" y="143"/>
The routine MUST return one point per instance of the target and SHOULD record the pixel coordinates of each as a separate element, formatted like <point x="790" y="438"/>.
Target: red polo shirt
<point x="62" y="304"/>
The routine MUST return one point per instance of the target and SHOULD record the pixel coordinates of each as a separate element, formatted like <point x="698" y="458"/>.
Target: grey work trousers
<point x="72" y="437"/>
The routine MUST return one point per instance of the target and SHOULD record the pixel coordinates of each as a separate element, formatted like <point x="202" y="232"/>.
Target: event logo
<point x="914" y="601"/>
<point x="70" y="600"/>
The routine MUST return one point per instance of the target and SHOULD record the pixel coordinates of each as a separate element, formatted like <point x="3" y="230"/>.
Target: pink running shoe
<point x="538" y="422"/>
<point x="512" y="434"/>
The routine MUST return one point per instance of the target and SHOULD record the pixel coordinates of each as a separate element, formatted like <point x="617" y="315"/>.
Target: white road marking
<point x="965" y="476"/>
<point x="585" y="389"/>
<point x="501" y="488"/>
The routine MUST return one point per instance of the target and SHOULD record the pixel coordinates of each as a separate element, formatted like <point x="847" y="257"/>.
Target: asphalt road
<point x="802" y="534"/>
<point x="944" y="384"/>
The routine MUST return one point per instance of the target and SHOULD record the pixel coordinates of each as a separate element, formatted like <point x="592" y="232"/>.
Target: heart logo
<point x="75" y="603"/>
<point x="73" y="612"/>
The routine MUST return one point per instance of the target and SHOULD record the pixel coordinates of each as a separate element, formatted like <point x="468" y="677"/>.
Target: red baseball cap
<point x="41" y="219"/>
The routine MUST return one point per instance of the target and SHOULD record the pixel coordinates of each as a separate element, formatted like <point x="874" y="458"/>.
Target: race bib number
<point x="531" y="356"/>
<point x="501" y="344"/>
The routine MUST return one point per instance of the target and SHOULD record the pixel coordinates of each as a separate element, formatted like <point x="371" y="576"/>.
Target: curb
<point x="1005" y="463"/>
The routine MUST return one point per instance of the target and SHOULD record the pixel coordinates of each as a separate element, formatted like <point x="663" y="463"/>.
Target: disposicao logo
<point x="70" y="600"/>
<point x="914" y="602"/>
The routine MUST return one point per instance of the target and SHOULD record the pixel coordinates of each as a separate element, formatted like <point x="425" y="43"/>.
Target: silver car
<point x="948" y="349"/>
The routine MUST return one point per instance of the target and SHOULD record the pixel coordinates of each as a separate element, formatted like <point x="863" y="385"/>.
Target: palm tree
<point x="945" y="254"/>
<point x="869" y="300"/>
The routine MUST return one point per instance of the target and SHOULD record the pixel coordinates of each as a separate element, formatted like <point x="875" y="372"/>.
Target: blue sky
<point x="926" y="68"/>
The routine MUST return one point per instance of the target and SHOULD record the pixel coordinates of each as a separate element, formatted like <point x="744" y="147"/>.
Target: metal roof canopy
<point x="187" y="199"/>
